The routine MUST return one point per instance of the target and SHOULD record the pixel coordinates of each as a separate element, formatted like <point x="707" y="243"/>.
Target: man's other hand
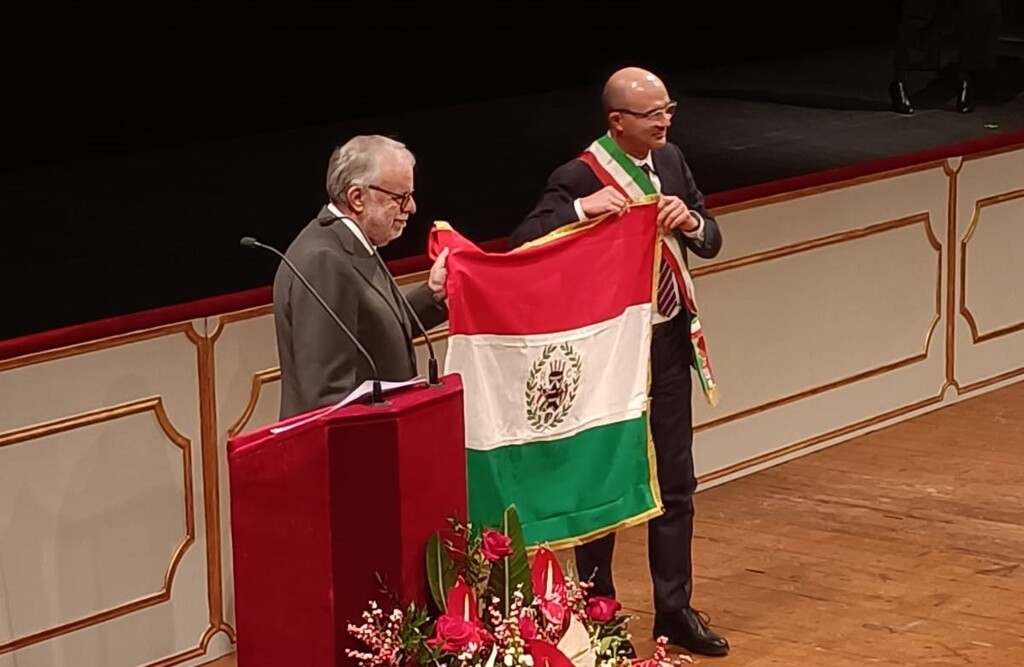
<point x="605" y="200"/>
<point x="674" y="214"/>
<point x="438" y="277"/>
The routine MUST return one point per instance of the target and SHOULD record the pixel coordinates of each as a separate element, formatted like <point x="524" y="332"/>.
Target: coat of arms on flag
<point x="552" y="386"/>
<point x="553" y="342"/>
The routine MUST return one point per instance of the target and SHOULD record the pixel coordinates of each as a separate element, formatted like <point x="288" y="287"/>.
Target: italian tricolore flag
<point x="552" y="341"/>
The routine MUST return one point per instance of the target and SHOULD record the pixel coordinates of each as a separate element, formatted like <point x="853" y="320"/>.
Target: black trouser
<point x="669" y="535"/>
<point x="920" y="34"/>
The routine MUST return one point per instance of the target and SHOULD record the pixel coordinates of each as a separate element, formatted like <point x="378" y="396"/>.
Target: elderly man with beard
<point x="370" y="191"/>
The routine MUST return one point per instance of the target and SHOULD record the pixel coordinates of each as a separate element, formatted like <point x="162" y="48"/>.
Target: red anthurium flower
<point x="461" y="601"/>
<point x="544" y="653"/>
<point x="553" y="612"/>
<point x="547" y="574"/>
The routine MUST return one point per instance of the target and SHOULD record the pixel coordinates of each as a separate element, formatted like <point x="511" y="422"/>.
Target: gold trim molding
<point x="411" y="278"/>
<point x="190" y="654"/>
<point x="241" y="316"/>
<point x="952" y="179"/>
<point x="268" y="309"/>
<point x="965" y="312"/>
<point x="933" y="241"/>
<point x="258" y="380"/>
<point x="821" y="242"/>
<point x="266" y="376"/>
<point x="816" y="440"/>
<point x="103" y="415"/>
<point x="94" y="346"/>
<point x="1010" y="148"/>
<point x="996" y="379"/>
<point x="827" y="187"/>
<point x="434" y="336"/>
<point x="210" y="440"/>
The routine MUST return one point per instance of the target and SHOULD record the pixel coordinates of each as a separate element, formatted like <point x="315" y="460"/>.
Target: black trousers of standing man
<point x="920" y="39"/>
<point x="670" y="535"/>
<point x="976" y="24"/>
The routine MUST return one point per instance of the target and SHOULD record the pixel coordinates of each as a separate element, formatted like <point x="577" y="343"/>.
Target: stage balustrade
<point x="833" y="310"/>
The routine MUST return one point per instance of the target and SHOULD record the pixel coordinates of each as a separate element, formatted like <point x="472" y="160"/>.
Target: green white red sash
<point x="613" y="167"/>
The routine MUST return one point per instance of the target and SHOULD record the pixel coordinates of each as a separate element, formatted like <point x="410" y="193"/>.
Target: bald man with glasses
<point x="635" y="159"/>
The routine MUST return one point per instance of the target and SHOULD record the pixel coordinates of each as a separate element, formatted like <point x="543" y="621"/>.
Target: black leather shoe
<point x="965" y="99"/>
<point x="900" y="100"/>
<point x="688" y="629"/>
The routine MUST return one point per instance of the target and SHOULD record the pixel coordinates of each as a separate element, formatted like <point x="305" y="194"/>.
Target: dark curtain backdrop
<point x="141" y="142"/>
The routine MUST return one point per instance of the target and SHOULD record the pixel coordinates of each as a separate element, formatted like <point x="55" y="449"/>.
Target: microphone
<point x="432" y="374"/>
<point x="377" y="394"/>
<point x="432" y="377"/>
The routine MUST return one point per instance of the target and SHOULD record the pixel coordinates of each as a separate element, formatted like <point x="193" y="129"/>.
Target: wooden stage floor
<point x="901" y="547"/>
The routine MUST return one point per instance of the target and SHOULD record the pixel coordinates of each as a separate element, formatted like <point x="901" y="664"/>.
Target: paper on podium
<point x="363" y="390"/>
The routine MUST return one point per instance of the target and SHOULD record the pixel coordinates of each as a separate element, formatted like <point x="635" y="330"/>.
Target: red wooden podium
<point x="318" y="510"/>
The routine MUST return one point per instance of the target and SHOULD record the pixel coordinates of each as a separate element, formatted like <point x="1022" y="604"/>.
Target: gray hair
<point x="358" y="161"/>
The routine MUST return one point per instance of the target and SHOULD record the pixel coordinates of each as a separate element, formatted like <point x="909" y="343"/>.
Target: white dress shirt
<point x="697" y="233"/>
<point x="351" y="224"/>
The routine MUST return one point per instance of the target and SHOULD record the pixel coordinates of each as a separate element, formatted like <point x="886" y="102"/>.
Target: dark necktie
<point x="668" y="301"/>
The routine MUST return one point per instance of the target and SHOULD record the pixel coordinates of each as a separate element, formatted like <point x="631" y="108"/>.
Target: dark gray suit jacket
<point x="575" y="179"/>
<point x="319" y="364"/>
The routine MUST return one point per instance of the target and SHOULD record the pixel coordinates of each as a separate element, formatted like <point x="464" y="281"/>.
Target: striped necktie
<point x="668" y="298"/>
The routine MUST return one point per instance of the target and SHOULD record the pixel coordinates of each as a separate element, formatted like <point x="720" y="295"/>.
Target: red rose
<point x="496" y="545"/>
<point x="602" y="609"/>
<point x="453" y="634"/>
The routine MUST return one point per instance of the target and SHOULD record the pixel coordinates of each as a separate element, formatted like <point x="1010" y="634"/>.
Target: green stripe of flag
<point x="572" y="486"/>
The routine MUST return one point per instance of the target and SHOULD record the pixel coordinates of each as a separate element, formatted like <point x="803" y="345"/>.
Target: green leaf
<point x="441" y="571"/>
<point x="513" y="571"/>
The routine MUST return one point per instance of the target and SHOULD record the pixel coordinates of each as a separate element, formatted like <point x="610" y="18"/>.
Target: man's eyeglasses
<point x="402" y="198"/>
<point x="668" y="110"/>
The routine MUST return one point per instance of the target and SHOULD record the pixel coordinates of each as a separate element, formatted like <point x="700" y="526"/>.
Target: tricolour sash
<point x="613" y="167"/>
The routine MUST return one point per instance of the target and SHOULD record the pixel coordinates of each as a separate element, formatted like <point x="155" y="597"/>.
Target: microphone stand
<point x="376" y="392"/>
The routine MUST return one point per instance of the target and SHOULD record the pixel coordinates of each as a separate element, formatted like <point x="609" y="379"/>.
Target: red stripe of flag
<point x="583" y="278"/>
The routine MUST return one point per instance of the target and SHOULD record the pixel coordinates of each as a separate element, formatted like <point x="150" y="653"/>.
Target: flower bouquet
<point x="494" y="608"/>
